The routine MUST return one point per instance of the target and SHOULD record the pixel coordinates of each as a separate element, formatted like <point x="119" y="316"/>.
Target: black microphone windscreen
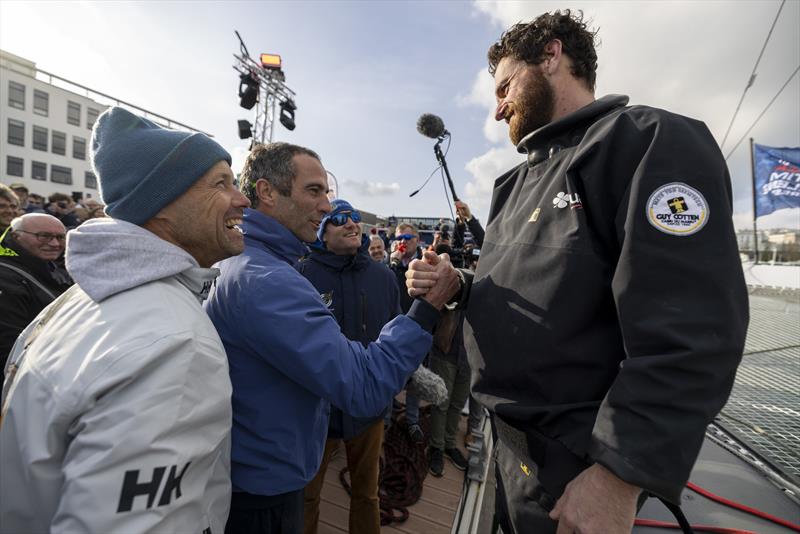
<point x="430" y="125"/>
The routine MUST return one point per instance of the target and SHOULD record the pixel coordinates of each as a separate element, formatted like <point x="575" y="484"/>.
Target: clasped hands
<point x="433" y="278"/>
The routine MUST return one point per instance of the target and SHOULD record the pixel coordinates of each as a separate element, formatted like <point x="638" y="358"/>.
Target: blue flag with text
<point x="777" y="178"/>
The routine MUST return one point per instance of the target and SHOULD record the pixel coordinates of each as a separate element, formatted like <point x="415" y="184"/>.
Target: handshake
<point x="433" y="278"/>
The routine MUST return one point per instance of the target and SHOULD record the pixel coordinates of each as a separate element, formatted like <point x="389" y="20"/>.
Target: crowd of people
<point x="187" y="357"/>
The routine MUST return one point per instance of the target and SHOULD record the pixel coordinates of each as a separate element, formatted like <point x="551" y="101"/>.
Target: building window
<point x="16" y="132"/>
<point x="41" y="102"/>
<point x="91" y="180"/>
<point x="60" y="175"/>
<point x="79" y="148"/>
<point x="39" y="138"/>
<point x="73" y="113"/>
<point x="14" y="166"/>
<point x="59" y="143"/>
<point x="91" y="116"/>
<point x="38" y="170"/>
<point x="16" y="95"/>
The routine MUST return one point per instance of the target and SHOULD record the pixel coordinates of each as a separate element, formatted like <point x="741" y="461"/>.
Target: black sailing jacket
<point x="609" y="308"/>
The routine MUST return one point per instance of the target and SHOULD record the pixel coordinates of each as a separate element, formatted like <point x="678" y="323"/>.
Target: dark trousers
<point x="521" y="503"/>
<point x="258" y="514"/>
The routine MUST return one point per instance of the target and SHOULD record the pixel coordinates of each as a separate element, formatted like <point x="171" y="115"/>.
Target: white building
<point x="46" y="129"/>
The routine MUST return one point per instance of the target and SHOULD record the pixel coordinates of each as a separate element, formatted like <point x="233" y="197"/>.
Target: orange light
<point x="271" y="61"/>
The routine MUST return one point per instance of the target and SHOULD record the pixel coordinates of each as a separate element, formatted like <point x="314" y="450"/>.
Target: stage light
<point x="248" y="91"/>
<point x="288" y="108"/>
<point x="245" y="129"/>
<point x="271" y="61"/>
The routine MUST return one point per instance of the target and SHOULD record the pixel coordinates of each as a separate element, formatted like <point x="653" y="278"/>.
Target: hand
<point x="596" y="502"/>
<point x="463" y="210"/>
<point x="397" y="255"/>
<point x="421" y="274"/>
<point x="434" y="278"/>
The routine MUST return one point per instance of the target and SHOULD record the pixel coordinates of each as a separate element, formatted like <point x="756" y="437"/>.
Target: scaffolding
<point x="272" y="93"/>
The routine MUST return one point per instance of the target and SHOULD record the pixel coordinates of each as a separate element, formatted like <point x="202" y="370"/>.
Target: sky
<point x="365" y="71"/>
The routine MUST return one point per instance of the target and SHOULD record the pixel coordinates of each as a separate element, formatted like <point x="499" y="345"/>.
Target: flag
<point x="777" y="178"/>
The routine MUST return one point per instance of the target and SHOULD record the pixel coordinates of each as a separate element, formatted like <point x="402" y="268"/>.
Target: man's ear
<point x="552" y="52"/>
<point x="266" y="193"/>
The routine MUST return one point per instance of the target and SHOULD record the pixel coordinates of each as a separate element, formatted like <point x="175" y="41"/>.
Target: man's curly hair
<point x="526" y="42"/>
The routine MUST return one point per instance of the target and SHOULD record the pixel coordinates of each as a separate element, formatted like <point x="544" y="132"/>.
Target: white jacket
<point x="118" y="416"/>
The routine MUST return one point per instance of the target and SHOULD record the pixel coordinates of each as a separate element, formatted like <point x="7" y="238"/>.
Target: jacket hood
<point x="107" y="256"/>
<point x="265" y="232"/>
<point x="357" y="262"/>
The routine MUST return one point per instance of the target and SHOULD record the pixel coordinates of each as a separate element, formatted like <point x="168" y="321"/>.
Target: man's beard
<point x="533" y="109"/>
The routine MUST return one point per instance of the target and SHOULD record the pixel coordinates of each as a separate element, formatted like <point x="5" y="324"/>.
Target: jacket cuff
<point x="424" y="314"/>
<point x="621" y="467"/>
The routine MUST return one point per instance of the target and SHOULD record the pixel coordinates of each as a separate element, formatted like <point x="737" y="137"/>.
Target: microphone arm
<point x="437" y="149"/>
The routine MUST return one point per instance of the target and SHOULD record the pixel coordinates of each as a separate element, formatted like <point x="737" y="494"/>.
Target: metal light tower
<point x="263" y="86"/>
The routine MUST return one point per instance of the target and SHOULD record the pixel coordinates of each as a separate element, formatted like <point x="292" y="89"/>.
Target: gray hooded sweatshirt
<point x="116" y="400"/>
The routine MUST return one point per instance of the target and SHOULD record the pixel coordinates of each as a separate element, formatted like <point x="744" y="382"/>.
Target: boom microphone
<point x="431" y="126"/>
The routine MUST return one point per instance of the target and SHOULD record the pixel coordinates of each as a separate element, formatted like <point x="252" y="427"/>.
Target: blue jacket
<point x="363" y="296"/>
<point x="288" y="360"/>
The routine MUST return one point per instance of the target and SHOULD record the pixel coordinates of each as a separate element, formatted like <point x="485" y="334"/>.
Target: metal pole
<point x="755" y="213"/>
<point x="272" y="117"/>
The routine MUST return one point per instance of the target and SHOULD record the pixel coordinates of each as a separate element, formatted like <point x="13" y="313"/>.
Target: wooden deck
<point x="432" y="514"/>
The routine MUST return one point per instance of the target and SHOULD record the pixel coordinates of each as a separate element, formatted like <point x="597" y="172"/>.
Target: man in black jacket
<point x="363" y="296"/>
<point x="29" y="278"/>
<point x="608" y="312"/>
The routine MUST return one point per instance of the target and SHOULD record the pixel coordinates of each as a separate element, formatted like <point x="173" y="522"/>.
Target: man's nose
<point x="500" y="111"/>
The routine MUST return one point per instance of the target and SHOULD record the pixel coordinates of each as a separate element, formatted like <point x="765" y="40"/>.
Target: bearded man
<point x="608" y="313"/>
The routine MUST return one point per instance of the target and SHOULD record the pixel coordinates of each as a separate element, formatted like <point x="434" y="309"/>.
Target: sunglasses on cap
<point x="340" y="219"/>
<point x="405" y="237"/>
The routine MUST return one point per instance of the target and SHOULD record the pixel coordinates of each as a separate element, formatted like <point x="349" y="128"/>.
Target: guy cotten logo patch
<point x="677" y="209"/>
<point x="327" y="298"/>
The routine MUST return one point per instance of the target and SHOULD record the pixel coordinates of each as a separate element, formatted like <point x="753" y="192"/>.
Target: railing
<point x="77" y="88"/>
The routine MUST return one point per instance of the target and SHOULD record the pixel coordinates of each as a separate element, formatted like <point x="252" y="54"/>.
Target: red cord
<point x="699" y="528"/>
<point x="742" y="507"/>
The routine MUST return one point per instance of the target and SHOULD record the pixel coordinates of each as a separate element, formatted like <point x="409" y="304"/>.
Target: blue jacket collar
<point x="340" y="263"/>
<point x="263" y="231"/>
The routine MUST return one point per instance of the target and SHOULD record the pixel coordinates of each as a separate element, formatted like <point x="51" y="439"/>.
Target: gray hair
<point x="271" y="162"/>
<point x="18" y="223"/>
<point x="374" y="237"/>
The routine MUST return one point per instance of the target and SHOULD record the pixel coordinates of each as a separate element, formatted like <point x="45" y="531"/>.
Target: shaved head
<point x="32" y="231"/>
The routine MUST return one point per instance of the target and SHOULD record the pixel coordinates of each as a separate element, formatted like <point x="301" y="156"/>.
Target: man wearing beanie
<point x="363" y="297"/>
<point x="116" y="402"/>
<point x="289" y="361"/>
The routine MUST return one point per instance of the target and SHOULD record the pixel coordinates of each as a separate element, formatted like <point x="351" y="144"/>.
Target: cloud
<point x="785" y="218"/>
<point x="485" y="169"/>
<point x="370" y="189"/>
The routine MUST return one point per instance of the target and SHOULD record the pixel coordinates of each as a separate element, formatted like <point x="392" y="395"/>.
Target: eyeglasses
<point x="405" y="237"/>
<point x="46" y="237"/>
<point x="340" y="219"/>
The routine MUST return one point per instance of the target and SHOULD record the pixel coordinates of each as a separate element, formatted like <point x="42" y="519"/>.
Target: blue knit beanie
<point x="142" y="167"/>
<point x="337" y="206"/>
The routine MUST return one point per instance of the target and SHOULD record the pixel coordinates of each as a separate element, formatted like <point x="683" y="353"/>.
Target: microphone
<point x="427" y="385"/>
<point x="431" y="125"/>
